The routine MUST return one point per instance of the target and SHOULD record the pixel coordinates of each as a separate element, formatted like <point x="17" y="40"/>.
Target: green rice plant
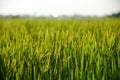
<point x="60" y="49"/>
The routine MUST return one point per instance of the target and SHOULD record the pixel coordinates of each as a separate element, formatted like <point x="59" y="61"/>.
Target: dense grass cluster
<point x="60" y="49"/>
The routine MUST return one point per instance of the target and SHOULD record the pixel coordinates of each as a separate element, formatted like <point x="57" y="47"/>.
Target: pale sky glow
<point x="59" y="7"/>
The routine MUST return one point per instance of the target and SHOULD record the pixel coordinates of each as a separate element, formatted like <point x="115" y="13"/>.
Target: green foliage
<point x="60" y="49"/>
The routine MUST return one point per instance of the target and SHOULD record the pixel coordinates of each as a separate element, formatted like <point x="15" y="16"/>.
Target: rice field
<point x="60" y="49"/>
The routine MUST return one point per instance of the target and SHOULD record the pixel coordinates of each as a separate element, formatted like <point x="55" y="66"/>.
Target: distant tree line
<point x="115" y="15"/>
<point x="61" y="16"/>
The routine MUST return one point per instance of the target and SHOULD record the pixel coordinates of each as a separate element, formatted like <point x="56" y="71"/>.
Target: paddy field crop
<point x="60" y="49"/>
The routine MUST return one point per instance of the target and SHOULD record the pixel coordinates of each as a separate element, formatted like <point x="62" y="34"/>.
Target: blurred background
<point x="59" y="8"/>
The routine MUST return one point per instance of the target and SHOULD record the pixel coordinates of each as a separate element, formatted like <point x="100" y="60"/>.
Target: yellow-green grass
<point x="60" y="49"/>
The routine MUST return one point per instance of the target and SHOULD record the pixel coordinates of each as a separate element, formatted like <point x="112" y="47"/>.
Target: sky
<point x="59" y="7"/>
